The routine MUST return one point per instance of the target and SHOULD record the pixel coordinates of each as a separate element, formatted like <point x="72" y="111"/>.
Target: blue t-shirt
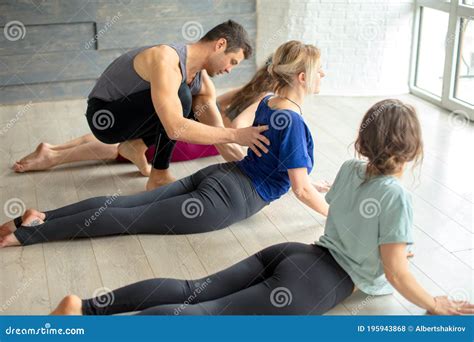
<point x="291" y="147"/>
<point x="362" y="216"/>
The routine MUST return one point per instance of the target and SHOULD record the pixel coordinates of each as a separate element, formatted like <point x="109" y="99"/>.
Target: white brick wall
<point x="365" y="44"/>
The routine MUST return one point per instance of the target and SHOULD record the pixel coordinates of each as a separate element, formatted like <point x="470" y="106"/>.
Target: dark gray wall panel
<point x="49" y="37"/>
<point x="55" y="66"/>
<point x="35" y="12"/>
<point x="67" y="44"/>
<point x="133" y="33"/>
<point x="80" y="89"/>
<point x="46" y="91"/>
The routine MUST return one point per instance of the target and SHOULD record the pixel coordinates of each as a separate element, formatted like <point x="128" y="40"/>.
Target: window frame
<point x="447" y="100"/>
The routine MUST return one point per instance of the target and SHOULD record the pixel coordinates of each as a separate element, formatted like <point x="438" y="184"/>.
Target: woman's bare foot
<point x="28" y="217"/>
<point x="70" y="305"/>
<point x="9" y="240"/>
<point x="41" y="159"/>
<point x="34" y="154"/>
<point x="134" y="150"/>
<point x="7" y="228"/>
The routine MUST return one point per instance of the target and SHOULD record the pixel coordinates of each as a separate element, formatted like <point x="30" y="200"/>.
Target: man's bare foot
<point x="134" y="150"/>
<point x="70" y="305"/>
<point x="41" y="159"/>
<point x="159" y="178"/>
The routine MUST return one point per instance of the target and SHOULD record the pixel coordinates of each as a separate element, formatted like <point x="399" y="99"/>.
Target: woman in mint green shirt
<point x="363" y="247"/>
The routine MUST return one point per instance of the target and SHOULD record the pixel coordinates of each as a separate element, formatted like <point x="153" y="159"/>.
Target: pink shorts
<point x="183" y="151"/>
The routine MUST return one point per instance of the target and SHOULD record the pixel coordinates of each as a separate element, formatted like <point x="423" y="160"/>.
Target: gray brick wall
<point x="366" y="44"/>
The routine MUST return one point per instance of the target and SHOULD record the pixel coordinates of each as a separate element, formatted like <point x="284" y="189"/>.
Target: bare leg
<point x="70" y="305"/>
<point x="134" y="150"/>
<point x="44" y="146"/>
<point x="47" y="157"/>
<point x="75" y="142"/>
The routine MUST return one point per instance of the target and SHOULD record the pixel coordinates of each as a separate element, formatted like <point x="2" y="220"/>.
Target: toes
<point x="18" y="167"/>
<point x="9" y="240"/>
<point x="3" y="241"/>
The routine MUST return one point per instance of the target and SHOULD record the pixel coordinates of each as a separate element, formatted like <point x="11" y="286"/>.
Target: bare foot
<point x="9" y="241"/>
<point x="28" y="218"/>
<point x="34" y="154"/>
<point x="70" y="305"/>
<point x="7" y="228"/>
<point x="159" y="178"/>
<point x="32" y="220"/>
<point x="41" y="159"/>
<point x="134" y="150"/>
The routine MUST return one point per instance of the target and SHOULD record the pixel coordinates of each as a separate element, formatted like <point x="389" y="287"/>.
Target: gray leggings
<point x="289" y="278"/>
<point x="210" y="199"/>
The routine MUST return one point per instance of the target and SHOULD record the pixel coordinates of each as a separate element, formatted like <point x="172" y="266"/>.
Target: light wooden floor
<point x="33" y="279"/>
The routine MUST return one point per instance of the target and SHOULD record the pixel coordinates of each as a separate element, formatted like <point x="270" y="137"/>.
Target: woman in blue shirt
<point x="363" y="247"/>
<point x="216" y="196"/>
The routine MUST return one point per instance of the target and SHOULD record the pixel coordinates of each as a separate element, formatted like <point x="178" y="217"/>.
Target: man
<point x="154" y="95"/>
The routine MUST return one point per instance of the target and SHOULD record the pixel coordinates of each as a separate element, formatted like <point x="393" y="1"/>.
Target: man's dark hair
<point x="236" y="36"/>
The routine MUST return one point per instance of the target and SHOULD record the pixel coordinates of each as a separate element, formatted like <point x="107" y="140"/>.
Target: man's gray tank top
<point x="120" y="78"/>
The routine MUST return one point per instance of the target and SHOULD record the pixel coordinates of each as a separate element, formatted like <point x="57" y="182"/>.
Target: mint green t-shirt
<point x="361" y="218"/>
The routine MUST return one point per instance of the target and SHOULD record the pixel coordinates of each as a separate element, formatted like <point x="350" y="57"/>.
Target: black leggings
<point x="134" y="117"/>
<point x="210" y="199"/>
<point x="285" y="279"/>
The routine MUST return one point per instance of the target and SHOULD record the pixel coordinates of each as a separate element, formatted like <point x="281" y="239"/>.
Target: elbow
<point x="301" y="193"/>
<point x="395" y="278"/>
<point x="175" y="130"/>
